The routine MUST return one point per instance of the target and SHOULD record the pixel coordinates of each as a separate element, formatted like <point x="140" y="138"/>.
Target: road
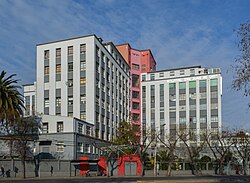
<point x="177" y="179"/>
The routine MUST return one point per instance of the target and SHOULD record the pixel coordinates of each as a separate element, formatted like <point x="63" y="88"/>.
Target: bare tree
<point x="242" y="66"/>
<point x="143" y="151"/>
<point x="193" y="149"/>
<point x="220" y="145"/>
<point x="20" y="137"/>
<point x="241" y="141"/>
<point x="170" y="144"/>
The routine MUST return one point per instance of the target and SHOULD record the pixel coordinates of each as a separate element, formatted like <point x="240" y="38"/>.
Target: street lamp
<point x="155" y="150"/>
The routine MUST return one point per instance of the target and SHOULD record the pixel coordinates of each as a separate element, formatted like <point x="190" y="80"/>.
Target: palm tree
<point x="11" y="100"/>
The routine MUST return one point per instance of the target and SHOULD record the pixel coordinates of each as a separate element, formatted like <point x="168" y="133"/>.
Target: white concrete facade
<point x="30" y="99"/>
<point x="67" y="138"/>
<point x="90" y="84"/>
<point x="187" y="98"/>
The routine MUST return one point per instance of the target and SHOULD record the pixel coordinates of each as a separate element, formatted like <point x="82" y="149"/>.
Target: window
<point x="193" y="119"/>
<point x="135" y="105"/>
<point x="203" y="95"/>
<point x="135" y="67"/>
<point x="171" y="73"/>
<point x="182" y="96"/>
<point x="82" y="48"/>
<point x="60" y="147"/>
<point x="87" y="148"/>
<point x="70" y="83"/>
<point x="172" y="120"/>
<point x="192" y="107"/>
<point x="214" y="119"/>
<point x="214" y="94"/>
<point x="203" y="119"/>
<point x="182" y="108"/>
<point x="143" y="77"/>
<point x="192" y="95"/>
<point x="83" y="99"/>
<point x="70" y="114"/>
<point x="83" y="115"/>
<point x="135" y="94"/>
<point x="82" y="81"/>
<point x="58" y="69"/>
<point x="203" y="83"/>
<point x="182" y="120"/>
<point x="182" y="85"/>
<point x="88" y="130"/>
<point x="171" y="85"/>
<point x="46" y="102"/>
<point x="45" y="128"/>
<point x="27" y="100"/>
<point x="203" y="106"/>
<point x="214" y="106"/>
<point x="70" y="67"/>
<point x="80" y="146"/>
<point x="70" y="100"/>
<point x="59" y="126"/>
<point x="135" y="80"/>
<point x="82" y="65"/>
<point x="182" y="72"/>
<point x="161" y="74"/>
<point x="192" y="72"/>
<point x="214" y="82"/>
<point x="58" y="52"/>
<point x="46" y="70"/>
<point x="70" y="50"/>
<point x="135" y="117"/>
<point x="161" y="116"/>
<point x="172" y="97"/>
<point x="58" y="101"/>
<point x="143" y="67"/>
<point x="192" y="84"/>
<point x="80" y="128"/>
<point x="46" y="54"/>
<point x="152" y="76"/>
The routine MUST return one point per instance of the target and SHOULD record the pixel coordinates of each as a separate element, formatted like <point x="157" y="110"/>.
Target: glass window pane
<point x="203" y="83"/>
<point x="214" y="82"/>
<point x="192" y="84"/>
<point x="172" y="85"/>
<point x="182" y="85"/>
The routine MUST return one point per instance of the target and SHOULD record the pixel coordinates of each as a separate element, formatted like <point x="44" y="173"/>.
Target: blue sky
<point x="179" y="33"/>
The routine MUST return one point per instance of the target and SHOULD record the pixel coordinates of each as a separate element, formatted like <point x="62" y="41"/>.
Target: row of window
<point x="180" y="73"/>
<point x="60" y="128"/>
<point x="100" y="54"/>
<point x="69" y="51"/>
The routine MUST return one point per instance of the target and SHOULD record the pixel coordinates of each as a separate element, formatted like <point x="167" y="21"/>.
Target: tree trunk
<point x="24" y="168"/>
<point x="196" y="171"/>
<point x="169" y="168"/>
<point x="220" y="167"/>
<point x="142" y="168"/>
<point x="192" y="168"/>
<point x="107" y="164"/>
<point x="245" y="167"/>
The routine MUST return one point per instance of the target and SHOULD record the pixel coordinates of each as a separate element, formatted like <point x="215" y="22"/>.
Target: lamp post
<point x="155" y="152"/>
<point x="156" y="169"/>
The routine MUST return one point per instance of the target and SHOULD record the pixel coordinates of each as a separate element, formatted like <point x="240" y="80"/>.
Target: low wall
<point x="40" y="169"/>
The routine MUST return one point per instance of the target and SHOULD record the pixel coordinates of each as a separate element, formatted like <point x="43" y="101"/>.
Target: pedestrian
<point x="2" y="170"/>
<point x="51" y="170"/>
<point x="239" y="170"/>
<point x="157" y="168"/>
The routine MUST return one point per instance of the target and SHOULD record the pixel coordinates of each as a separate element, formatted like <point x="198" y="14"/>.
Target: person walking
<point x="2" y="170"/>
<point x="51" y="170"/>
